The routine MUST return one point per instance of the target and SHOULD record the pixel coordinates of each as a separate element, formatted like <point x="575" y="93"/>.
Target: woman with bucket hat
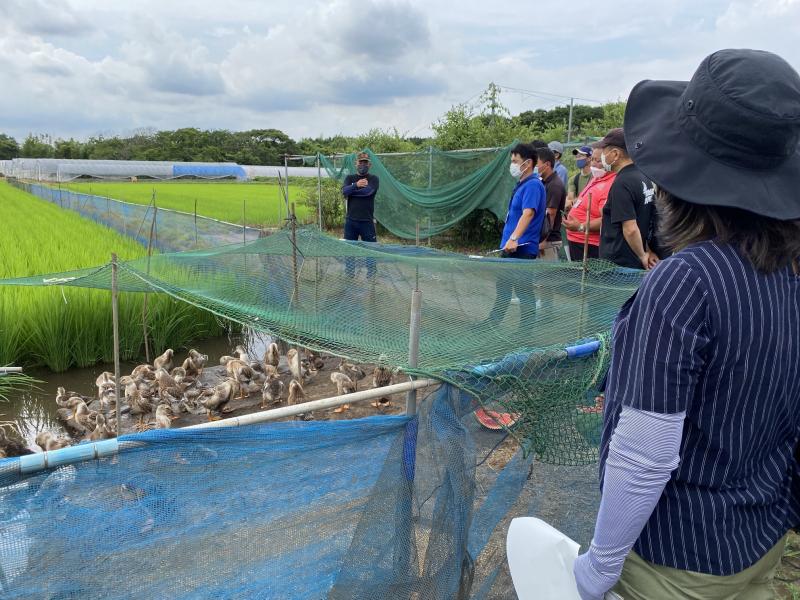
<point x="702" y="412"/>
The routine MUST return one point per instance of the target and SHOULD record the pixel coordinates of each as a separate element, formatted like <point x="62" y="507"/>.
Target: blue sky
<point x="88" y="67"/>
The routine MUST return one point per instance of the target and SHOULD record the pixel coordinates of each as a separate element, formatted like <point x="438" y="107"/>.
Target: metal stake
<point x="319" y="190"/>
<point x="115" y="324"/>
<point x="569" y="126"/>
<point x="144" y="301"/>
<point x="293" y="222"/>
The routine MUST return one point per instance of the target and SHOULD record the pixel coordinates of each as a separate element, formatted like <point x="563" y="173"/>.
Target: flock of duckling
<point x="164" y="391"/>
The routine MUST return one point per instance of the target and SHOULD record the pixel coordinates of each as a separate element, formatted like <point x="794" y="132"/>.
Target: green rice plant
<point x="60" y="327"/>
<point x="262" y="202"/>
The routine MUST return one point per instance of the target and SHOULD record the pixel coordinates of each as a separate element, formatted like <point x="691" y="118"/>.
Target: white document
<point x="540" y="559"/>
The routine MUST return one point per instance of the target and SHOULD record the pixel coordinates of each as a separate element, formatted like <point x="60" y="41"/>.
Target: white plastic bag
<point x="540" y="559"/>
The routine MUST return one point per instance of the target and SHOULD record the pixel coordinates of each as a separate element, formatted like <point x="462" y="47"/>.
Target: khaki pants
<point x="549" y="250"/>
<point x="642" y="580"/>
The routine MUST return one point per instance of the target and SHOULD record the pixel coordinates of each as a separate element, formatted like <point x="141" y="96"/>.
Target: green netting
<point x="498" y="329"/>
<point x="433" y="189"/>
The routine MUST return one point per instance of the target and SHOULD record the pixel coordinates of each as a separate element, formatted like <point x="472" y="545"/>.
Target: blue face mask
<point x="581" y="162"/>
<point x="362" y="169"/>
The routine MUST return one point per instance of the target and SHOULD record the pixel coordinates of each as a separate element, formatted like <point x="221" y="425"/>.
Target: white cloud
<point x="85" y="66"/>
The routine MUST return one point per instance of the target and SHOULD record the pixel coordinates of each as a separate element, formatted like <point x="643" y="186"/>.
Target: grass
<point x="221" y="200"/>
<point x="64" y="327"/>
<point x="787" y="578"/>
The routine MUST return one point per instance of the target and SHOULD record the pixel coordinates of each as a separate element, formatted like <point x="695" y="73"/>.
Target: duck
<point x="164" y="361"/>
<point x="143" y="372"/>
<point x="104" y="382"/>
<point x="219" y="399"/>
<point x="315" y="360"/>
<point x="353" y="371"/>
<point x="300" y="371"/>
<point x="272" y="356"/>
<point x="167" y="385"/>
<point x="10" y="447"/>
<point x="85" y="417"/>
<point x="240" y="353"/>
<point x="381" y="377"/>
<point x="197" y="363"/>
<point x="344" y="385"/>
<point x="163" y="416"/>
<point x="101" y="430"/>
<point x="69" y="400"/>
<point x="296" y="393"/>
<point x="47" y="441"/>
<point x="271" y="392"/>
<point x="140" y="406"/>
<point x="241" y="372"/>
<point x="225" y="359"/>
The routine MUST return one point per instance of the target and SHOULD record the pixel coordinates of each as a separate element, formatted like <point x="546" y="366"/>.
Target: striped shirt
<point x="710" y="336"/>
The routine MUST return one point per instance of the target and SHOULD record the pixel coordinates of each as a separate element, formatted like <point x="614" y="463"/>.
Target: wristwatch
<point x="514" y="238"/>
<point x="581" y="228"/>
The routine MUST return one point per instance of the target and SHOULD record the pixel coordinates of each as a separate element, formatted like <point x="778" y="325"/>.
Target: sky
<point x="80" y="68"/>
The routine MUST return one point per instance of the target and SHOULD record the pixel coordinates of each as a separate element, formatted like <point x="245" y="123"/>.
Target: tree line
<point x="487" y="124"/>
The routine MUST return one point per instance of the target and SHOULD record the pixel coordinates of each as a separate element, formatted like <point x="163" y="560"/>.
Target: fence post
<point x="293" y="222"/>
<point x="319" y="190"/>
<point x="115" y="325"/>
<point x="144" y="301"/>
<point x="413" y="347"/>
<point x="244" y="222"/>
<point x="430" y="167"/>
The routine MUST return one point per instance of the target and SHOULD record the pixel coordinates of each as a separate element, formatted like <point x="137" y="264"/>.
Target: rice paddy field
<point x="64" y="327"/>
<point x="262" y="202"/>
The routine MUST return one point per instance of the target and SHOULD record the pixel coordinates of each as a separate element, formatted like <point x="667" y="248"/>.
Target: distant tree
<point x="9" y="148"/>
<point x="68" y="149"/>
<point x="36" y="146"/>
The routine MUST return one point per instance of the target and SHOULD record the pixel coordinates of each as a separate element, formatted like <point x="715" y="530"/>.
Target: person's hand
<point x="652" y="259"/>
<point x="362" y="182"/>
<point x="511" y="246"/>
<point x="645" y="260"/>
<point x="571" y="224"/>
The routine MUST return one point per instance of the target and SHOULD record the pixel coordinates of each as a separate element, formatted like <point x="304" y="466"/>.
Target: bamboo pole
<point x="115" y="325"/>
<point x="195" y="222"/>
<point x="144" y="301"/>
<point x="293" y="222"/>
<point x="319" y="191"/>
<point x="585" y="263"/>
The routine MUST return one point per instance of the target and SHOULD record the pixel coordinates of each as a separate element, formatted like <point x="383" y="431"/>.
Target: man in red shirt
<point x="575" y="222"/>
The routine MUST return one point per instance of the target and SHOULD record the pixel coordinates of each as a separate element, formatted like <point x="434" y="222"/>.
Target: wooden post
<point x="293" y="222"/>
<point x="416" y="243"/>
<point x="144" y="302"/>
<point x="115" y="325"/>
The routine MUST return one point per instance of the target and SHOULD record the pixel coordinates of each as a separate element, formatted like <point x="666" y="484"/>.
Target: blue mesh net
<point x="382" y="507"/>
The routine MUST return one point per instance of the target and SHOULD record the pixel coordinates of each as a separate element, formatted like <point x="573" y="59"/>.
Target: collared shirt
<point x="710" y="336"/>
<point x="555" y="197"/>
<point x="598" y="187"/>
<point x="528" y="193"/>
<point x="561" y="171"/>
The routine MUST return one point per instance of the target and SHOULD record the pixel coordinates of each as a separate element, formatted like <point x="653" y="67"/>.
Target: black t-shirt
<point x="555" y="197"/>
<point x="360" y="201"/>
<point x="630" y="198"/>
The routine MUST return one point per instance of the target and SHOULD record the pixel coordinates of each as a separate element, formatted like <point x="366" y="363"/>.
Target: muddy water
<point x="34" y="410"/>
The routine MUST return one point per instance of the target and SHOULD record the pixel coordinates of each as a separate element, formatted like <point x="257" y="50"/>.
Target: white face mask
<point x="516" y="170"/>
<point x="597" y="172"/>
<point x="607" y="166"/>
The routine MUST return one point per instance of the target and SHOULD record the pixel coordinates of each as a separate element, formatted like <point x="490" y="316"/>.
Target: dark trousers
<point x="508" y="283"/>
<point x="576" y="251"/>
<point x="365" y="232"/>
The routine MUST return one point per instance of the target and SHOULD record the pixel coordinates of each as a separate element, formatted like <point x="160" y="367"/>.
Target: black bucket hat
<point x="729" y="137"/>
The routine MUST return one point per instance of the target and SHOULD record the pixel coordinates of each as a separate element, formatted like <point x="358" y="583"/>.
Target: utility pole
<point x="569" y="127"/>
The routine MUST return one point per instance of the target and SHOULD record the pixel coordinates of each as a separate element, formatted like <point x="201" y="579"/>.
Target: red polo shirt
<point x="598" y="187"/>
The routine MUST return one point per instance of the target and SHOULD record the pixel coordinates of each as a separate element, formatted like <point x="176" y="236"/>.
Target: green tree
<point x="36" y="146"/>
<point x="9" y="148"/>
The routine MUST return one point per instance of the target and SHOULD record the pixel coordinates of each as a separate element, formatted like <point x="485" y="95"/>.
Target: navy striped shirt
<point x="709" y="335"/>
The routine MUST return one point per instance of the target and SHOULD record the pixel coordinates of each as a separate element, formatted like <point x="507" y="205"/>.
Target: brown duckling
<point x="164" y="361"/>
<point x="219" y="399"/>
<point x="344" y="385"/>
<point x="271" y="392"/>
<point x="272" y="356"/>
<point x="140" y="406"/>
<point x="163" y="416"/>
<point x="10" y="447"/>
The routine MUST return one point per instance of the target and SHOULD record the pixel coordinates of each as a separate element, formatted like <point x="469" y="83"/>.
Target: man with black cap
<point x="360" y="190"/>
<point x="699" y="480"/>
<point x="628" y="213"/>
<point x="583" y="160"/>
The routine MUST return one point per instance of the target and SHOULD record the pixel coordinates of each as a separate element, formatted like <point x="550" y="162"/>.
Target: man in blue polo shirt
<point x="526" y="212"/>
<point x="527" y="206"/>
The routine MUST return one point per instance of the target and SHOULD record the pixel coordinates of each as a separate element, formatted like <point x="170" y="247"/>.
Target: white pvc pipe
<point x="306" y="407"/>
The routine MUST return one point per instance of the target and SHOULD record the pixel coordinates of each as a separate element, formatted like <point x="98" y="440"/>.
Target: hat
<point x="615" y="137"/>
<point x="363" y="156"/>
<point x="582" y="150"/>
<point x="556" y="147"/>
<point x="732" y="133"/>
